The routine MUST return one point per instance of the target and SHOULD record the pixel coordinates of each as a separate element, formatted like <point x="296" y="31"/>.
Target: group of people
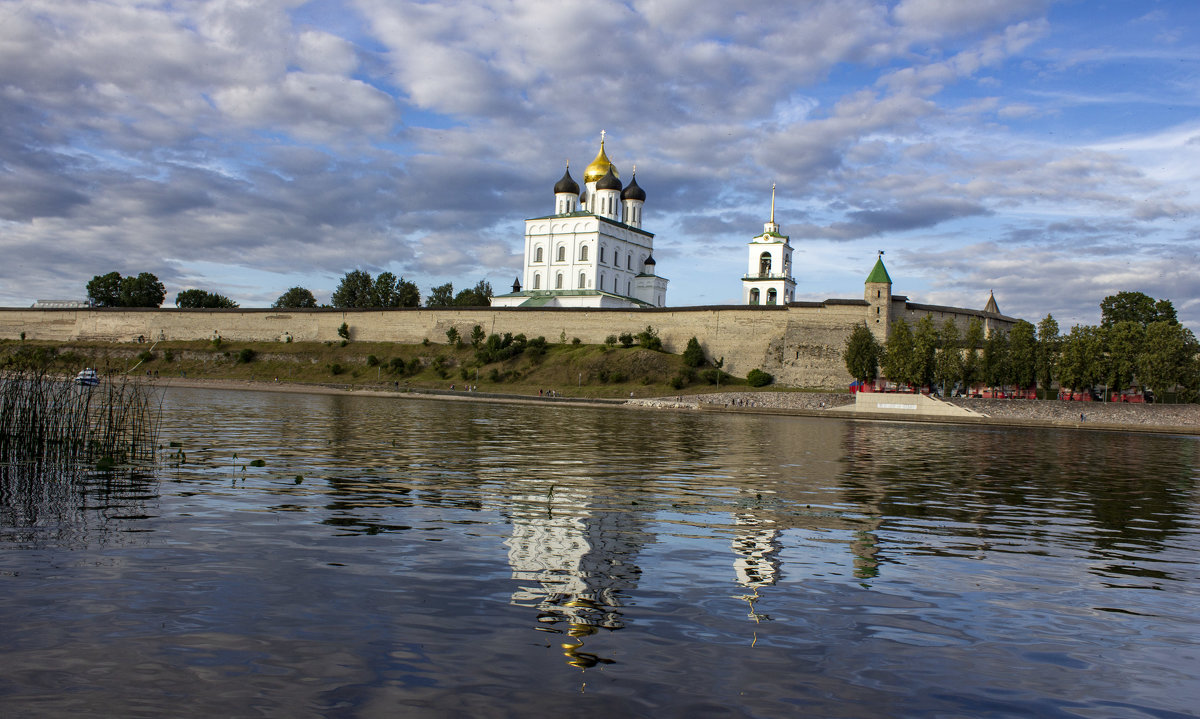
<point x="468" y="387"/>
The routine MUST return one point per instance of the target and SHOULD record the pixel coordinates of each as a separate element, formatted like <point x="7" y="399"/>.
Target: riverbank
<point x="1171" y="419"/>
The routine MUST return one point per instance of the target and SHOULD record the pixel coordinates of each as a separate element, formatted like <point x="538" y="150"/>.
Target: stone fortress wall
<point x="800" y="344"/>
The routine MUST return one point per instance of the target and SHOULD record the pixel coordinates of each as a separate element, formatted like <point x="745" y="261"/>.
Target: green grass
<point x="569" y="369"/>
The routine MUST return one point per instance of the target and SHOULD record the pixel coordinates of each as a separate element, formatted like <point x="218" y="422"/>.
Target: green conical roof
<point x="879" y="273"/>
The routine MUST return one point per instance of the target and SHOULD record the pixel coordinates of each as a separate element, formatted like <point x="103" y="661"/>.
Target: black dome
<point x="650" y="261"/>
<point x="608" y="182"/>
<point x="566" y="184"/>
<point x="632" y="191"/>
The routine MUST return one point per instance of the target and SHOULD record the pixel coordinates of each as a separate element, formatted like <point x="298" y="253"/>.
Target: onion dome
<point x="609" y="181"/>
<point x="632" y="191"/>
<point x="600" y="167"/>
<point x="566" y="184"/>
<point x="649" y="261"/>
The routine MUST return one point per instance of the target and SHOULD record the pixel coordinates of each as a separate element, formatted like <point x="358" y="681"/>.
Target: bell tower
<point x="768" y="279"/>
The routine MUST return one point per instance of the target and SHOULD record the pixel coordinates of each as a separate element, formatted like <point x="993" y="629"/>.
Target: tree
<point x="693" y="354"/>
<point x="441" y="296"/>
<point x="201" y="299"/>
<point x="948" y="369"/>
<point x="972" y="341"/>
<point x="1127" y="307"/>
<point x="1124" y="342"/>
<point x="899" y="355"/>
<point x="142" y="291"/>
<point x="477" y="336"/>
<point x="296" y="297"/>
<point x="410" y="295"/>
<point x="925" y="343"/>
<point x="1164" y="311"/>
<point x="355" y="290"/>
<point x="995" y="366"/>
<point x="1048" y="348"/>
<point x="385" y="291"/>
<point x="105" y="290"/>
<point x="862" y="354"/>
<point x="1082" y="365"/>
<point x="1167" y="358"/>
<point x="478" y="296"/>
<point x="1022" y="353"/>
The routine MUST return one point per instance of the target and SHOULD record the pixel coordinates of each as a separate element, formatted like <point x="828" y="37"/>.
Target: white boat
<point x="87" y="378"/>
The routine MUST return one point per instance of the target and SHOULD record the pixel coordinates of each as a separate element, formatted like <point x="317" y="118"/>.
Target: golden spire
<point x="600" y="166"/>
<point x="772" y="203"/>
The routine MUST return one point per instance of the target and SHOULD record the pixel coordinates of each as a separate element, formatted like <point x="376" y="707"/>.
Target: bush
<point x="576" y="340"/>
<point x="758" y="378"/>
<point x="397" y="364"/>
<point x="343" y="343"/>
<point x="626" y="339"/>
<point x="414" y="365"/>
<point x="693" y="355"/>
<point x="452" y="336"/>
<point x="372" y="360"/>
<point x="344" y="332"/>
<point x="678" y="381"/>
<point x="610" y="341"/>
<point x="145" y="356"/>
<point x="246" y="356"/>
<point x="713" y="375"/>
<point x="168" y="355"/>
<point x="494" y="375"/>
<point x="336" y="368"/>
<point x="649" y="339"/>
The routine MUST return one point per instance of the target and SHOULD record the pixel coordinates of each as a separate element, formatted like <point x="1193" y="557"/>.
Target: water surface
<point x="408" y="557"/>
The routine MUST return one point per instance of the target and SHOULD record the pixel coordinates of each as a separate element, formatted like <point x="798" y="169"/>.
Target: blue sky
<point x="1046" y="151"/>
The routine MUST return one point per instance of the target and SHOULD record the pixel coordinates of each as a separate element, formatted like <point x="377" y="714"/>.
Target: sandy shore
<point x="1099" y="416"/>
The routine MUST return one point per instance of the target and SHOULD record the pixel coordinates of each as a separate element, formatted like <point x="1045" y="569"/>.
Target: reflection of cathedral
<point x="574" y="562"/>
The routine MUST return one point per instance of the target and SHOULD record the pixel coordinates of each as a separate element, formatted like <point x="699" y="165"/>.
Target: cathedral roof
<point x="609" y="181"/>
<point x="599" y="167"/>
<point x="566" y="184"/>
<point x="632" y="191"/>
<point x="879" y="273"/>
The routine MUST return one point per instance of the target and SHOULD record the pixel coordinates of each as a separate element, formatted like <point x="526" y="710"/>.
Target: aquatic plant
<point x="49" y="419"/>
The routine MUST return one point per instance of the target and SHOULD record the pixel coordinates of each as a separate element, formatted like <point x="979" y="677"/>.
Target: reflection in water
<point x="443" y="558"/>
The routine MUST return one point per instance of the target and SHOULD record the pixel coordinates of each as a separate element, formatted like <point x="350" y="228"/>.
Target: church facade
<point x="593" y="251"/>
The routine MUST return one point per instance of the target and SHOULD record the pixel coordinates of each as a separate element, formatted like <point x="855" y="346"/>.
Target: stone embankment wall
<point x="800" y="345"/>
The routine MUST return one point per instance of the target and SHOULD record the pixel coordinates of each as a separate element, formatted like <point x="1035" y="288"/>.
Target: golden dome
<point x="600" y="166"/>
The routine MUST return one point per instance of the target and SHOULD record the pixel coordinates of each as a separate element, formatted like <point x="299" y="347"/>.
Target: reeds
<point x="49" y="419"/>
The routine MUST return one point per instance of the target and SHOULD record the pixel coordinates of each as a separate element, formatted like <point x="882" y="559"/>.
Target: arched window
<point x="562" y="253"/>
<point x="764" y="263"/>
<point x="537" y="280"/>
<point x="754" y="296"/>
<point x="601" y="254"/>
<point x="558" y="282"/>
<point x="537" y="255"/>
<point x="771" y="295"/>
<point x="629" y="261"/>
<point x="583" y="253"/>
<point x="600" y="282"/>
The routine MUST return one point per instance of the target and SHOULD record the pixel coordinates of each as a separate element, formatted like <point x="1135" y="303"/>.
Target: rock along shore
<point x="1182" y="418"/>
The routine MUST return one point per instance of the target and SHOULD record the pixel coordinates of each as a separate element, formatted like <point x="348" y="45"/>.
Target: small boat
<point x="87" y="378"/>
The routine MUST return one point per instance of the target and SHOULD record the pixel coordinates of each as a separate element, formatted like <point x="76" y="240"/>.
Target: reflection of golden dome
<point x="599" y="167"/>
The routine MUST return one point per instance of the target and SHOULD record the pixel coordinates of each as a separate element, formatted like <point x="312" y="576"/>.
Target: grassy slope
<point x="573" y="370"/>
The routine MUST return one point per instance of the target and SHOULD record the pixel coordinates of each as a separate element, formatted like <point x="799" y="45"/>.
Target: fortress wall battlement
<point x="801" y="344"/>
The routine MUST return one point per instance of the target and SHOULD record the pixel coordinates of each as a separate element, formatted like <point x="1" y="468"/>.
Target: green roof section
<point x="879" y="273"/>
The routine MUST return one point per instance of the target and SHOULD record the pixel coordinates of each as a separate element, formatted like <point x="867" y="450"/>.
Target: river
<point x="396" y="557"/>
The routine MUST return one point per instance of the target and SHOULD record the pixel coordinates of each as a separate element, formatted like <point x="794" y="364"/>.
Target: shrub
<point x="372" y="360"/>
<point x="453" y="337"/>
<point x="649" y="339"/>
<point x="626" y="339"/>
<point x="678" y="381"/>
<point x="464" y="373"/>
<point x="246" y="356"/>
<point x="494" y="375"/>
<point x="216" y="341"/>
<point x="168" y="355"/>
<point x="145" y="356"/>
<point x="693" y="355"/>
<point x="713" y="375"/>
<point x="344" y="332"/>
<point x="414" y="365"/>
<point x="425" y="342"/>
<point x="343" y="343"/>
<point x="477" y="336"/>
<point x="336" y="368"/>
<point x="758" y="378"/>
<point x="610" y="341"/>
<point x="397" y="364"/>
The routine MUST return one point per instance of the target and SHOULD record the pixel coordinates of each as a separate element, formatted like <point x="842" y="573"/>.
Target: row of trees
<point x="1139" y="341"/>
<point x="357" y="289"/>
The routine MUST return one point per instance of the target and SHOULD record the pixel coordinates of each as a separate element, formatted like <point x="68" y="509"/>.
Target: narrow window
<point x="537" y="255"/>
<point x="754" y="296"/>
<point x="629" y="261"/>
<point x="582" y="280"/>
<point x="562" y="253"/>
<point x="537" y="281"/>
<point x="558" y="282"/>
<point x="601" y="254"/>
<point x="771" y="295"/>
<point x="583" y="253"/>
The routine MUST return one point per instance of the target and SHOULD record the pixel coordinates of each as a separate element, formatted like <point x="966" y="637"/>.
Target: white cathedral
<point x="592" y="252"/>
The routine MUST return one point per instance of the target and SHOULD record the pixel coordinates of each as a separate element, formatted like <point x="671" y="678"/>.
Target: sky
<point x="1045" y="151"/>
